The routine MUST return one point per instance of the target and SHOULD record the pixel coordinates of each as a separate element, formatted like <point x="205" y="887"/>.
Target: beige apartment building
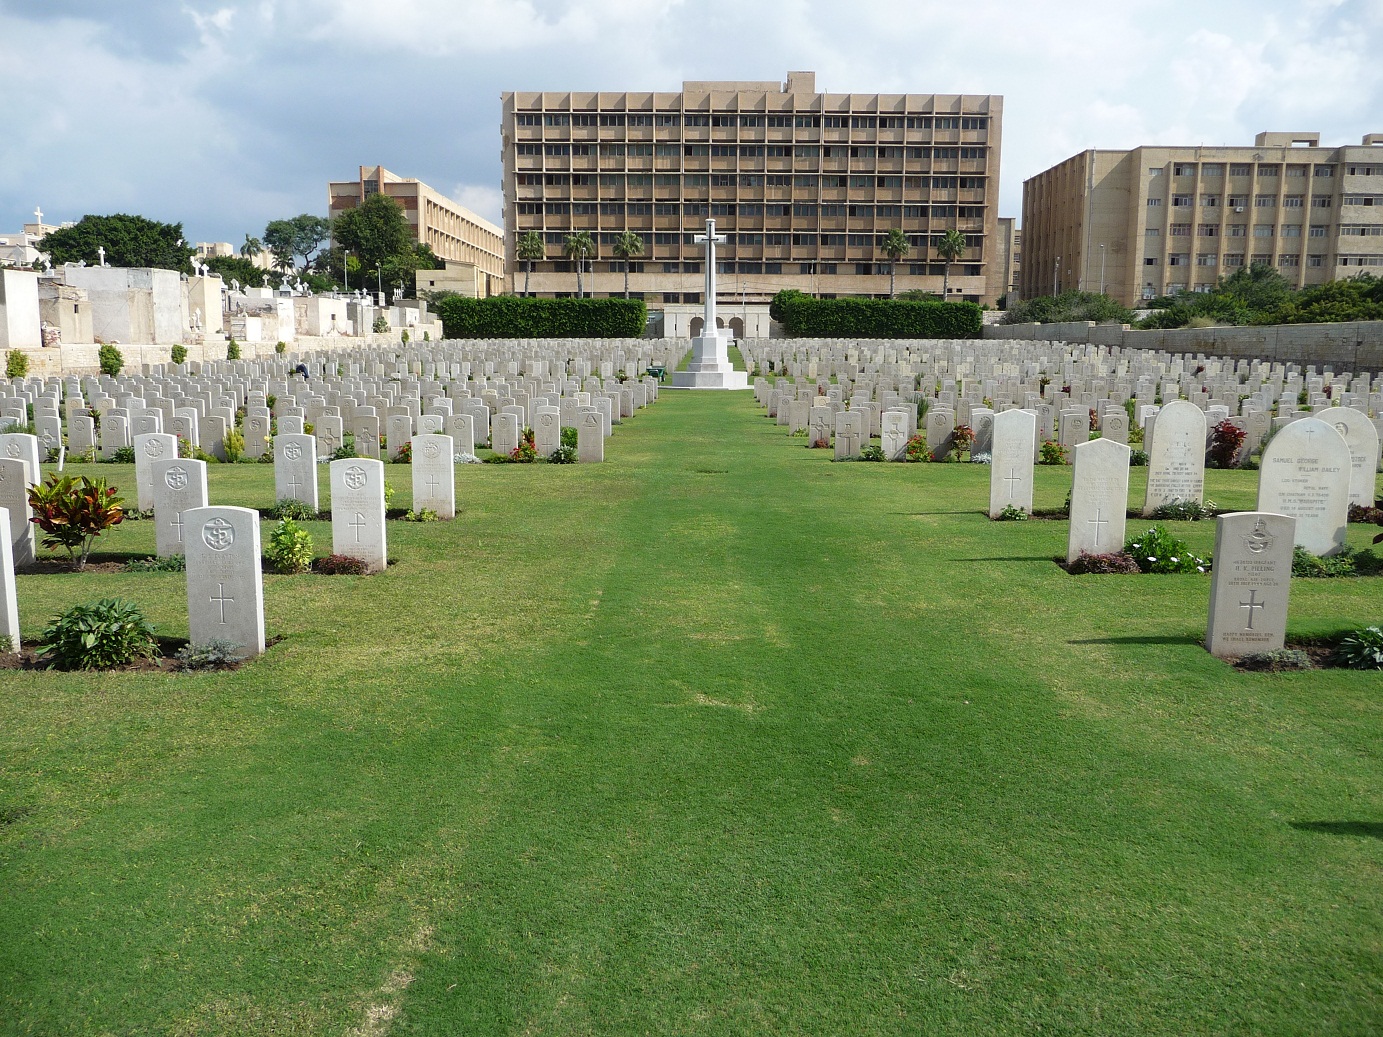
<point x="803" y="184"/>
<point x="1157" y="220"/>
<point x="455" y="234"/>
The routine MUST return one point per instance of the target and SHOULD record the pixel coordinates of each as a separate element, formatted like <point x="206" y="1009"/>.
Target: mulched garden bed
<point x="29" y="658"/>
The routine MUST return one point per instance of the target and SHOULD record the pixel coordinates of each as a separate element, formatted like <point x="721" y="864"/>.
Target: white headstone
<point x="590" y="436"/>
<point x="1176" y="462"/>
<point x="1010" y="470"/>
<point x="357" y="511"/>
<point x="15" y="480"/>
<point x="1099" y="498"/>
<point x="9" y="607"/>
<point x="1250" y="583"/>
<point x="178" y="485"/>
<point x="434" y="475"/>
<point x="547" y="431"/>
<point x="148" y="448"/>
<point x="295" y="468"/>
<point x="225" y="586"/>
<point x="1305" y="474"/>
<point x="1362" y="439"/>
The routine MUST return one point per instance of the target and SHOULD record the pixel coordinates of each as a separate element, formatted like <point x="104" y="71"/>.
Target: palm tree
<point x="252" y="247"/>
<point x="578" y="245"/>
<point x="949" y="247"/>
<point x="627" y="246"/>
<point x="895" y="246"/>
<point x="530" y="247"/>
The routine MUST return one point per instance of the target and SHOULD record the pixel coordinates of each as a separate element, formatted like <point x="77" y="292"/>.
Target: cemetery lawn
<point x="718" y="737"/>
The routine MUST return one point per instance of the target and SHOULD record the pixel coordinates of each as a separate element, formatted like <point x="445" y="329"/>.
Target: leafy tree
<point x="252" y="247"/>
<point x="16" y="364"/>
<point x="626" y="247"/>
<point x="1257" y="286"/>
<point x="111" y="359"/>
<point x="376" y="230"/>
<point x="895" y="246"/>
<point x="74" y="512"/>
<point x="949" y="247"/>
<point x="776" y="305"/>
<point x="301" y="235"/>
<point x="579" y="246"/>
<point x="529" y="249"/>
<point x="128" y="241"/>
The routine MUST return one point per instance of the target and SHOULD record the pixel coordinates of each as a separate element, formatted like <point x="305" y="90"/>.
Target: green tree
<point x="128" y="241"/>
<point x="301" y="235"/>
<point x="529" y="249"/>
<point x="626" y="247"/>
<point x="776" y="305"/>
<point x="237" y="268"/>
<point x="895" y="246"/>
<point x="376" y="230"/>
<point x="252" y="247"/>
<point x="1068" y="306"/>
<point x="579" y="246"/>
<point x="949" y="247"/>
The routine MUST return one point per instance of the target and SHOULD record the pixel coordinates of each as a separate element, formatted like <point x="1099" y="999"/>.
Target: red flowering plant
<point x="1225" y="440"/>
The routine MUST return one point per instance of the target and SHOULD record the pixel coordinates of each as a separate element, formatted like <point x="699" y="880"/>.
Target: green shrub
<point x="110" y="359"/>
<point x="1361" y="650"/>
<point x="232" y="350"/>
<point x="1184" y="510"/>
<point x="1068" y="306"/>
<point x="213" y="655"/>
<point x="290" y="548"/>
<point x="1278" y="660"/>
<point x="121" y="455"/>
<point x="568" y="436"/>
<point x="292" y="508"/>
<point x="340" y="565"/>
<point x="171" y="564"/>
<point x="280" y="347"/>
<point x="1138" y="458"/>
<point x="563" y="455"/>
<point x="426" y="515"/>
<point x="509" y="316"/>
<point x="808" y="317"/>
<point x="16" y="364"/>
<point x="234" y="445"/>
<point x="871" y="453"/>
<point x="1345" y="562"/>
<point x="1158" y="551"/>
<point x="381" y="325"/>
<point x="98" y="636"/>
<point x="915" y="451"/>
<point x="178" y="354"/>
<point x="1011" y="513"/>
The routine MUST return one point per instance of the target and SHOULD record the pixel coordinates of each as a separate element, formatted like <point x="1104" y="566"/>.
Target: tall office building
<point x="454" y="232"/>
<point x="1159" y="220"/>
<point x="805" y="185"/>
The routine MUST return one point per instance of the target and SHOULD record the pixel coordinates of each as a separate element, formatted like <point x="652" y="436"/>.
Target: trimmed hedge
<point x="512" y="316"/>
<point x="806" y="317"/>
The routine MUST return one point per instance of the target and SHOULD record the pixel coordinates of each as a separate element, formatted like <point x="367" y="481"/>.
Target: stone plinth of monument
<point x="710" y="366"/>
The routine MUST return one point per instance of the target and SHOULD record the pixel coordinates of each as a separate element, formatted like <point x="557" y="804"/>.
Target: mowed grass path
<point x="718" y="737"/>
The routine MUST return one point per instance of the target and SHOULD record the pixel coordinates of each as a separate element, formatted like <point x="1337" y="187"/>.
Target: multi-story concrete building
<point x="454" y="232"/>
<point x="1009" y="255"/>
<point x="805" y="185"/>
<point x="1160" y="220"/>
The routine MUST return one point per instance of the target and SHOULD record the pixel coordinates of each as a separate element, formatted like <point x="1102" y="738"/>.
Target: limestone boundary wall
<point x="1354" y="346"/>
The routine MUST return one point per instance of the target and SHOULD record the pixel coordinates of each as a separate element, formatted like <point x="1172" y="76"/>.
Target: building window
<point x="1262" y="257"/>
<point x="529" y="119"/>
<point x="667" y="120"/>
<point x="1213" y="169"/>
<point x="1155" y="171"/>
<point x="971" y="154"/>
<point x="972" y="123"/>
<point x="828" y="240"/>
<point x="1362" y="199"/>
<point x="1179" y="230"/>
<point x="696" y="120"/>
<point x="1291" y="230"/>
<point x="1183" y="169"/>
<point x="1293" y="260"/>
<point x="1264" y="201"/>
<point x="752" y="121"/>
<point x="1263" y="230"/>
<point x="780" y="122"/>
<point x="1150" y="261"/>
<point x="1240" y="169"/>
<point x="807" y="122"/>
<point x="1269" y="170"/>
<point x="1152" y="232"/>
<point x="1234" y="259"/>
<point x="1205" y="259"/>
<point x="1178" y="259"/>
<point x="1182" y="201"/>
<point x="1209" y="230"/>
<point x="1315" y="260"/>
<point x="1317" y="230"/>
<point x="1320" y="201"/>
<point x="919" y="122"/>
<point x="1296" y="170"/>
<point x="1209" y="200"/>
<point x="1238" y="201"/>
<point x="864" y="268"/>
<point x="1361" y="260"/>
<point x="1292" y="201"/>
<point x="530" y="149"/>
<point x="1356" y="230"/>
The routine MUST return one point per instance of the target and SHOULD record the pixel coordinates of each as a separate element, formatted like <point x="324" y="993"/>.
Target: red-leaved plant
<point x="73" y="512"/>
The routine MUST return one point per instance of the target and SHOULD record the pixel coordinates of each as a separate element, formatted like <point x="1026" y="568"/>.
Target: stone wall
<point x="1355" y="346"/>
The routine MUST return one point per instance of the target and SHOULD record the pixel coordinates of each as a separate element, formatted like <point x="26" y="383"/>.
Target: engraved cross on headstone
<point x="220" y="598"/>
<point x="1099" y="523"/>
<point x="176" y="523"/>
<point x="293" y="484"/>
<point x="1013" y="478"/>
<point x="358" y="523"/>
<point x="1251" y="604"/>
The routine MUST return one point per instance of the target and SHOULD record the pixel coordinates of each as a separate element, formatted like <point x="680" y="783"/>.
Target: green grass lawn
<point x="716" y="737"/>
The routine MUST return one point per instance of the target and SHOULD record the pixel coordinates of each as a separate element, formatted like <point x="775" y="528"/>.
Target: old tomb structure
<point x="1250" y="583"/>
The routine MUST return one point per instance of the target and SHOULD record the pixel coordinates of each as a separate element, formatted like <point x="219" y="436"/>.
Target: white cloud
<point x="483" y="201"/>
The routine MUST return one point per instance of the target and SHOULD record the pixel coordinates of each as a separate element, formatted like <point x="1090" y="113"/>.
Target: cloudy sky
<point x="224" y="114"/>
